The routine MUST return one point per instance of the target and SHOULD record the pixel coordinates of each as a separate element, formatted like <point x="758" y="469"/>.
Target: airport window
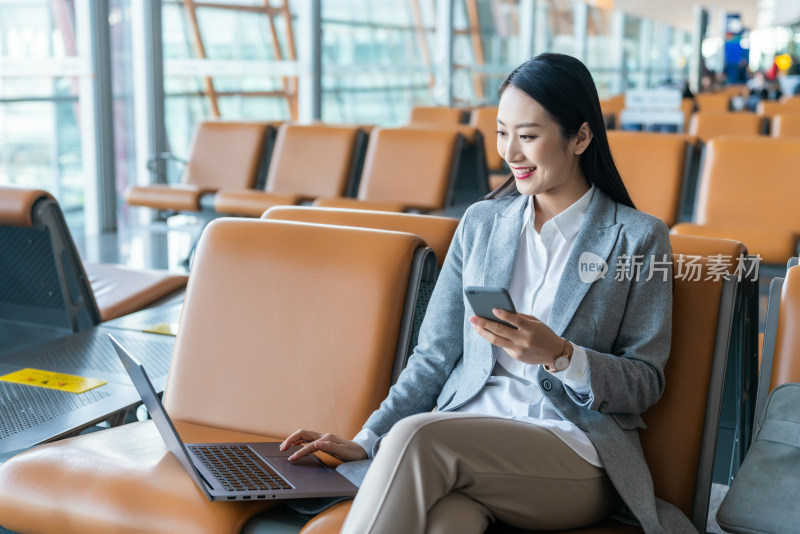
<point x="248" y="59"/>
<point x="40" y="132"/>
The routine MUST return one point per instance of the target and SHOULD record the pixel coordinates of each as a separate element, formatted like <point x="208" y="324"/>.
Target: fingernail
<point x="291" y="458"/>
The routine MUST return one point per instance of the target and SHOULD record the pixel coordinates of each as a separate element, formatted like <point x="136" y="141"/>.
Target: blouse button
<point x="547" y="385"/>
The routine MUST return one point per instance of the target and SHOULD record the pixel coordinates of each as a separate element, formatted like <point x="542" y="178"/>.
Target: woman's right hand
<point x="343" y="449"/>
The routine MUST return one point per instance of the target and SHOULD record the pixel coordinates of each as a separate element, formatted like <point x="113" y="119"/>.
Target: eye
<point x="527" y="137"/>
<point x="500" y="133"/>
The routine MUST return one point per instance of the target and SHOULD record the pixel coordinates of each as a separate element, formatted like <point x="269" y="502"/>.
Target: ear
<point x="583" y="138"/>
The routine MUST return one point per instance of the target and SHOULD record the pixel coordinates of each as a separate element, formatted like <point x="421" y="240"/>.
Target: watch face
<point x="561" y="363"/>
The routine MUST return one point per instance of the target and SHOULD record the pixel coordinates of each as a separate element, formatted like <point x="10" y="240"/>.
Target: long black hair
<point x="563" y="86"/>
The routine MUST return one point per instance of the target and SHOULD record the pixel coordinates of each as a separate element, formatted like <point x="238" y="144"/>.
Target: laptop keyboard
<point x="239" y="468"/>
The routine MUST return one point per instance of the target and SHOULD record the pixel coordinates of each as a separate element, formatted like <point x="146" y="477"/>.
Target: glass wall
<point x="604" y="56"/>
<point x="557" y="26"/>
<point x="40" y="135"/>
<point x="250" y="59"/>
<point x="486" y="47"/>
<point x="377" y="59"/>
<point x="120" y="35"/>
<point x="220" y="61"/>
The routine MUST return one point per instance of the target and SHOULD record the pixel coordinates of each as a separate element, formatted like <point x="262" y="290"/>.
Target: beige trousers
<point x="454" y="473"/>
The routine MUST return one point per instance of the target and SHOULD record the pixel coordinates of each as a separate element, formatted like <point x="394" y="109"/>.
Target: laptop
<point x="237" y="471"/>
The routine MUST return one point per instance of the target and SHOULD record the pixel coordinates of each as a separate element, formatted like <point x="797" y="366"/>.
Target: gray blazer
<point x="625" y="326"/>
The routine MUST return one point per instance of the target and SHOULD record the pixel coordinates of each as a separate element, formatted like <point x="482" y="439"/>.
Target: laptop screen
<point x="162" y="421"/>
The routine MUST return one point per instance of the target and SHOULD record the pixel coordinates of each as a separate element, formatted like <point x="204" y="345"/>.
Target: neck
<point x="548" y="205"/>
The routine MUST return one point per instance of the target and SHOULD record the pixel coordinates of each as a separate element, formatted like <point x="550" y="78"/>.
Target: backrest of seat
<point x="485" y="119"/>
<point x="707" y="125"/>
<point x="737" y="89"/>
<point x="718" y="102"/>
<point x="790" y="102"/>
<point x="750" y="180"/>
<point x="438" y="114"/>
<point x="413" y="166"/>
<point x="780" y="360"/>
<point x="327" y="173"/>
<point x="226" y="154"/>
<point x="768" y="108"/>
<point x="611" y="108"/>
<point x="472" y="181"/>
<point x="654" y="189"/>
<point x="680" y="439"/>
<point x="436" y="231"/>
<point x="786" y="125"/>
<point x="786" y="355"/>
<point x="42" y="280"/>
<point x="687" y="106"/>
<point x="288" y="325"/>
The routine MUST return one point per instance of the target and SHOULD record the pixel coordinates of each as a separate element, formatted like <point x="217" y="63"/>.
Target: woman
<point x="536" y="423"/>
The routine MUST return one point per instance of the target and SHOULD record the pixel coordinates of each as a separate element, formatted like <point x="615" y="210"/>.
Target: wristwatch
<point x="562" y="360"/>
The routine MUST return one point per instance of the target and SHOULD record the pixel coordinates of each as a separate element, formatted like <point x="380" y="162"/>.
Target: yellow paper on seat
<point x="51" y="380"/>
<point x="168" y="329"/>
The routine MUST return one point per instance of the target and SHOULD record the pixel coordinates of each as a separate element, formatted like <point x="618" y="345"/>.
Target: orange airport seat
<point x="50" y="307"/>
<point x="293" y="177"/>
<point x="769" y="108"/>
<point x="472" y="181"/>
<point x="436" y="114"/>
<point x="436" y="231"/>
<point x="748" y="192"/>
<point x="786" y="125"/>
<point x="654" y="189"/>
<point x="244" y="368"/>
<point x="707" y="125"/>
<point x="688" y="107"/>
<point x="790" y="102"/>
<point x="780" y="364"/>
<point x="485" y="119"/>
<point x="223" y="154"/>
<point x="112" y="290"/>
<point x="734" y="90"/>
<point x="681" y="429"/>
<point x="406" y="169"/>
<point x="713" y="102"/>
<point x="611" y="108"/>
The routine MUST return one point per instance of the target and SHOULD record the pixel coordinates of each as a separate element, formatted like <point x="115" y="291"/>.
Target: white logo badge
<point x="591" y="267"/>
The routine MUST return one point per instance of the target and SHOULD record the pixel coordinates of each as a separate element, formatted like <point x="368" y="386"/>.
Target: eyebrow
<point x="523" y="124"/>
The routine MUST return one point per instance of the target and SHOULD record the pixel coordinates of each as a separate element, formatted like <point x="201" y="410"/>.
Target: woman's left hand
<point x="532" y="342"/>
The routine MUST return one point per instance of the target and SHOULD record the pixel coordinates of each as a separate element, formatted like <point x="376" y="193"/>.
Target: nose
<point x="509" y="148"/>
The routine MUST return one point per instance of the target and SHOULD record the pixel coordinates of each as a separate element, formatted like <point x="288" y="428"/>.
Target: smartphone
<point x="484" y="299"/>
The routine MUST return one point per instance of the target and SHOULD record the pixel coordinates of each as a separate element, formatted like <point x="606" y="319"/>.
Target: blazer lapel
<point x="597" y="235"/>
<point x="503" y="244"/>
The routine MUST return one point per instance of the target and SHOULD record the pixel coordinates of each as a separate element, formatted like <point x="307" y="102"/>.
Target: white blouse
<point x="512" y="391"/>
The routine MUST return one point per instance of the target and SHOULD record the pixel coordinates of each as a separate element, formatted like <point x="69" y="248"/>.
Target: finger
<point x="492" y="326"/>
<point x="305" y="451"/>
<point x="346" y="451"/>
<point x="298" y="437"/>
<point x="507" y="316"/>
<point x="493" y="338"/>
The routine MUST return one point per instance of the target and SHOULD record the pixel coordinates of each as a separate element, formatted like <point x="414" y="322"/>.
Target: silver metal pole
<point x="444" y="61"/>
<point x="103" y="116"/>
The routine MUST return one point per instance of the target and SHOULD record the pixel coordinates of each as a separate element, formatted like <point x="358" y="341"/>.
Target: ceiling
<point x="679" y="13"/>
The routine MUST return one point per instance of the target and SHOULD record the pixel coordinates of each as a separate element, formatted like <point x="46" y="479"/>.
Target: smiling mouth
<point x="521" y="173"/>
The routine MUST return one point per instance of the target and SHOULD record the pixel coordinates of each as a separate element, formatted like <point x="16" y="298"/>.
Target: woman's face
<point x="532" y="144"/>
